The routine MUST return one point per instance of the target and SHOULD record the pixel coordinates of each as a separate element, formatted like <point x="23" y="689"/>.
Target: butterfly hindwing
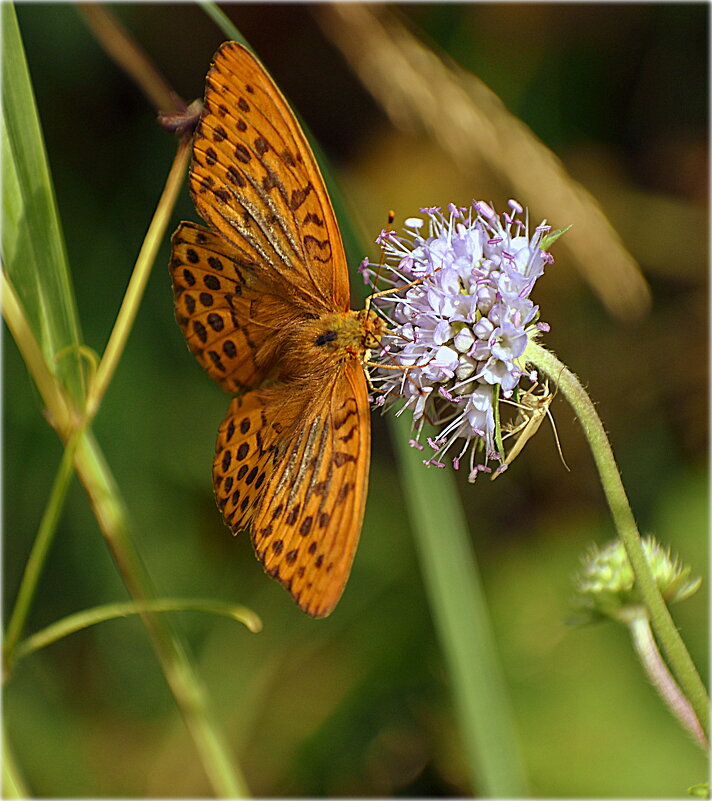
<point x="245" y="455"/>
<point x="255" y="180"/>
<point x="308" y="520"/>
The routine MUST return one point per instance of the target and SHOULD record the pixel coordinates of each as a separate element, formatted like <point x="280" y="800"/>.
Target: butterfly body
<point x="262" y="296"/>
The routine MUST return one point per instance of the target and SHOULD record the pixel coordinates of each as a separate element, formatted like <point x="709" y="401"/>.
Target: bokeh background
<point x="359" y="704"/>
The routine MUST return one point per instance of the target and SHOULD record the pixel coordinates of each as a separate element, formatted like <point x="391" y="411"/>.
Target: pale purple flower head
<point x="460" y="319"/>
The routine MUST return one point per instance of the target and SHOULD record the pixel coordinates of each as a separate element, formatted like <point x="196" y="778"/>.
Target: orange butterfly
<point x="262" y="296"/>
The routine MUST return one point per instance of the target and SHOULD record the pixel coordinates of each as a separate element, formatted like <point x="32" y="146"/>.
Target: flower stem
<point x="658" y="673"/>
<point x="662" y="622"/>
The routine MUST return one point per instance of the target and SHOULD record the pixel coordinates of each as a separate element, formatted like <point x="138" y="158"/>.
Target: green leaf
<point x="548" y="240"/>
<point x="33" y="248"/>
<point x="461" y="618"/>
<point x="220" y="18"/>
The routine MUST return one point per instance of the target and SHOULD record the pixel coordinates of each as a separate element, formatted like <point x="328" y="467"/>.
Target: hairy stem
<point x="662" y="622"/>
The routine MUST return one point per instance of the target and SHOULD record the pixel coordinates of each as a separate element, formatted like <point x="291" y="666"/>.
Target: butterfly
<point x="262" y="297"/>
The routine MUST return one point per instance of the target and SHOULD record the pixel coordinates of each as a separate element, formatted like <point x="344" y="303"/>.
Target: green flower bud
<point x="605" y="584"/>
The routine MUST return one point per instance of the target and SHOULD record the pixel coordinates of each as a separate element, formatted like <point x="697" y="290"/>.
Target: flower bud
<point x="606" y="587"/>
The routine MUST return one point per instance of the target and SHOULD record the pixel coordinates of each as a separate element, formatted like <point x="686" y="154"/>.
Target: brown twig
<point x="419" y="90"/>
<point x="126" y="52"/>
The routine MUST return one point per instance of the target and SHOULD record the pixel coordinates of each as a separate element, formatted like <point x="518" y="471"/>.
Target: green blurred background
<point x="359" y="704"/>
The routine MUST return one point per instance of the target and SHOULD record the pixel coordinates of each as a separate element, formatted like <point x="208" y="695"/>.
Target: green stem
<point x="134" y="293"/>
<point x="40" y="548"/>
<point x="221" y="19"/>
<point x="662" y="622"/>
<point x="191" y="698"/>
<point x="100" y="614"/>
<point x="58" y="410"/>
<point x="55" y="399"/>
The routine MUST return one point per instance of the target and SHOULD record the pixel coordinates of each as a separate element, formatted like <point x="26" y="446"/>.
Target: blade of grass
<point x="110" y="511"/>
<point x="33" y="247"/>
<point x="461" y="617"/>
<point x="220" y="18"/>
<point x="40" y="548"/>
<point x="100" y="614"/>
<point x="13" y="784"/>
<point x="99" y="384"/>
<point x="188" y="690"/>
<point x="139" y="277"/>
<point x="61" y="416"/>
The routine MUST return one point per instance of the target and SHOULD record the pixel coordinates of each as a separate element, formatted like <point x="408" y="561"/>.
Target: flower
<point x="460" y="320"/>
<point x="606" y="584"/>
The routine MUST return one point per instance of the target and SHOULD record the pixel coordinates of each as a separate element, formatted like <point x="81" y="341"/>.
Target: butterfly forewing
<point x="255" y="179"/>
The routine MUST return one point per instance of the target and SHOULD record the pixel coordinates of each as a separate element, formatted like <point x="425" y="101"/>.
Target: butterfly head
<point x="352" y="333"/>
